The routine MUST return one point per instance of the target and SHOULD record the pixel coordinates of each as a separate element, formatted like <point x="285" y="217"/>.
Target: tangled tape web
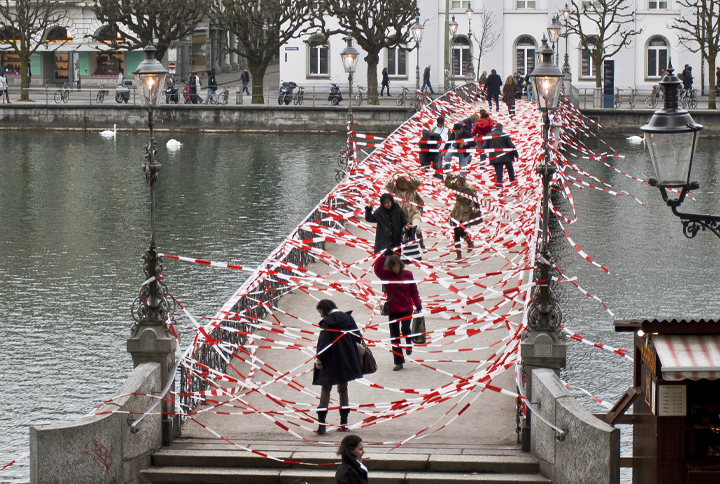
<point x="253" y="361"/>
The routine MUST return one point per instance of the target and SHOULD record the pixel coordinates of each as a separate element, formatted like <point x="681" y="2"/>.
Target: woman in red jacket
<point x="401" y="298"/>
<point x="483" y="128"/>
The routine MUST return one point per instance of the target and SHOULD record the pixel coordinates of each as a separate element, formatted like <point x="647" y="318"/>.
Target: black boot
<point x="344" y="419"/>
<point x="321" y="422"/>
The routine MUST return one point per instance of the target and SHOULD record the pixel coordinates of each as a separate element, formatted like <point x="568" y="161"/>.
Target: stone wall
<point x="249" y="118"/>
<point x="101" y="449"/>
<point x="589" y="453"/>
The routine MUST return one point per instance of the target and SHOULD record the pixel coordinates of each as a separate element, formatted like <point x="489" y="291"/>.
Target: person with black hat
<point x="461" y="134"/>
<point x="390" y="219"/>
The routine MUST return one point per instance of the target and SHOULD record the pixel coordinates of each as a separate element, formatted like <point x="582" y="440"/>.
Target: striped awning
<point x="688" y="357"/>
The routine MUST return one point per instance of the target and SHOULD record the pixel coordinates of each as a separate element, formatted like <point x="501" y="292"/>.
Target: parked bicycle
<point x="631" y="99"/>
<point x="102" y="92"/>
<point x="688" y="98"/>
<point x="62" y="94"/>
<point x="298" y="97"/>
<point x="652" y="100"/>
<point x="358" y="98"/>
<point x="630" y="103"/>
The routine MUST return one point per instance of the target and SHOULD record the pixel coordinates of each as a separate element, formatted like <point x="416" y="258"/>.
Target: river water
<point x="74" y="224"/>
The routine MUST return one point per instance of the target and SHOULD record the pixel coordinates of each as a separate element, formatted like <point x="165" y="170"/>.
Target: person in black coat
<point x="501" y="159"/>
<point x="337" y="360"/>
<point x="459" y="132"/>
<point x="390" y="219"/>
<point x="493" y="85"/>
<point x="352" y="470"/>
<point x="385" y="82"/>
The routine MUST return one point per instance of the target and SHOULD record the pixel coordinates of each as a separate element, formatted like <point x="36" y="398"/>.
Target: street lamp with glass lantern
<point x="417" y="31"/>
<point x="566" y="65"/>
<point x="469" y="12"/>
<point x="553" y="32"/>
<point x="671" y="136"/>
<point x="453" y="29"/>
<point x="543" y="345"/>
<point x="150" y="340"/>
<point x="349" y="57"/>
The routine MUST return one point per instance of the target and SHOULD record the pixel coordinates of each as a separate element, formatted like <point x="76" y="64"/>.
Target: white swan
<point x="109" y="134"/>
<point x="173" y="145"/>
<point x="635" y="139"/>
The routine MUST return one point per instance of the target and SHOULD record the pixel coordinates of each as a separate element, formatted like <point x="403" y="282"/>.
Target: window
<point x="109" y="34"/>
<point x="397" y="62"/>
<point x="461" y="63"/>
<point x="318" y="56"/>
<point x="589" y="5"/>
<point x="460" y="4"/>
<point x="657" y="57"/>
<point x="59" y="34"/>
<point x="520" y="4"/>
<point x="587" y="68"/>
<point x="107" y="63"/>
<point x="657" y="5"/>
<point x="525" y="55"/>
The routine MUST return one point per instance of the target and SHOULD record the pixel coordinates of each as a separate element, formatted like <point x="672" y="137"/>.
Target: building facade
<point x="521" y="25"/>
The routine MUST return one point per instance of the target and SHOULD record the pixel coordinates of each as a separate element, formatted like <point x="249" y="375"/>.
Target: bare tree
<point x="375" y="25"/>
<point x="701" y="34"/>
<point x="486" y="38"/>
<point x="145" y="21"/>
<point x="261" y="27"/>
<point x="27" y="23"/>
<point x="603" y="28"/>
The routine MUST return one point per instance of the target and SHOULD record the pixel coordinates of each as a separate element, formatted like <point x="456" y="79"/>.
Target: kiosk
<point x="676" y="421"/>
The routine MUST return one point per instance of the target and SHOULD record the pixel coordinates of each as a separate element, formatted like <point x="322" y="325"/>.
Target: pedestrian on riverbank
<point x="390" y="220"/>
<point x="687" y="77"/>
<point x="401" y="297"/>
<point x="717" y="81"/>
<point x="212" y="87"/>
<point x="336" y="360"/>
<point x="351" y="470"/>
<point x="465" y="210"/>
<point x="245" y="78"/>
<point x="4" y="87"/>
<point x="404" y="188"/>
<point x="426" y="80"/>
<point x="385" y="82"/>
<point x="493" y="84"/>
<point x="509" y="95"/>
<point x="198" y="90"/>
<point x="503" y="159"/>
<point x="192" y="92"/>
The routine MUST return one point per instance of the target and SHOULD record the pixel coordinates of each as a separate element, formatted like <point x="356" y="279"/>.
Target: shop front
<point x="676" y="430"/>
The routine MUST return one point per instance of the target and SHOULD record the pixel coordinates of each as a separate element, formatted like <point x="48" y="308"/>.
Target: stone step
<point x="221" y="475"/>
<point x="453" y="463"/>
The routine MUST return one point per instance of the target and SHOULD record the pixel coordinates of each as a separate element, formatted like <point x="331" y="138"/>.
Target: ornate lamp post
<point x="453" y="30"/>
<point x="543" y="346"/>
<point x="553" y="32"/>
<point x="671" y="137"/>
<point x="149" y="340"/>
<point x="566" y="65"/>
<point x="349" y="57"/>
<point x="417" y="31"/>
<point x="469" y="12"/>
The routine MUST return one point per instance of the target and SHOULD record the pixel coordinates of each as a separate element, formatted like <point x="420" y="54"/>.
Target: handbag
<point x="368" y="364"/>
<point x="418" y="329"/>
<point x="385" y="311"/>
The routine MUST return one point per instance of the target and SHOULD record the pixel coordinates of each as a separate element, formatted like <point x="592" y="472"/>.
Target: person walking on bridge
<point x="493" y="84"/>
<point x="390" y="219"/>
<point x="509" y="95"/>
<point x="337" y="360"/>
<point x="465" y="209"/>
<point x="502" y="159"/>
<point x="426" y="80"/>
<point x="405" y="188"/>
<point x="351" y="470"/>
<point x="401" y="298"/>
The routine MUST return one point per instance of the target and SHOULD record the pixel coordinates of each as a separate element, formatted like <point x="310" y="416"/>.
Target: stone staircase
<point x="191" y="461"/>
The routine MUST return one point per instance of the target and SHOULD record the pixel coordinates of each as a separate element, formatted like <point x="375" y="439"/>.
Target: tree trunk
<point x="712" y="97"/>
<point x="372" y="60"/>
<point x="257" y="73"/>
<point x="24" y="88"/>
<point x="598" y="71"/>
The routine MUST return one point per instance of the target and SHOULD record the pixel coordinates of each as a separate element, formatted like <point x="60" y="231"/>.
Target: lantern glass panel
<point x="547" y="90"/>
<point x="150" y="88"/>
<point x="671" y="155"/>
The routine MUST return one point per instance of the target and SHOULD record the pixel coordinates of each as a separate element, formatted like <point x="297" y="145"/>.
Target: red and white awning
<point x="688" y="357"/>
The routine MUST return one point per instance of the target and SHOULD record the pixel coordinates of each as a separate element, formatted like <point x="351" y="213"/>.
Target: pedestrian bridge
<point x="245" y="386"/>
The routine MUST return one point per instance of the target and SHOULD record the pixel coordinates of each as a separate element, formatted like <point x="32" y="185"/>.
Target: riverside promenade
<point x="455" y="396"/>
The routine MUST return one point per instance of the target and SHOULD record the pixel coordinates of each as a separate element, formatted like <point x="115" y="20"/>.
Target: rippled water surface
<point x="74" y="223"/>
